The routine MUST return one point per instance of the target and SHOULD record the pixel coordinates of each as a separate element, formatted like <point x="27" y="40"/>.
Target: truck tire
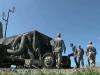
<point x="48" y="60"/>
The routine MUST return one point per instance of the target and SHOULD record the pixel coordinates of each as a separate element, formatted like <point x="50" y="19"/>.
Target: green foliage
<point x="87" y="71"/>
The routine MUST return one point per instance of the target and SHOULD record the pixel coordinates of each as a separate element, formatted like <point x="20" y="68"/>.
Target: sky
<point x="77" y="20"/>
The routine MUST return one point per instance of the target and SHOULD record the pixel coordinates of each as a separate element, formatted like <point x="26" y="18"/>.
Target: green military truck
<point x="31" y="49"/>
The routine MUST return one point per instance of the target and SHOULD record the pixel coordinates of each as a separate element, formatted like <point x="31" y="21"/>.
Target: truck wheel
<point x="48" y="60"/>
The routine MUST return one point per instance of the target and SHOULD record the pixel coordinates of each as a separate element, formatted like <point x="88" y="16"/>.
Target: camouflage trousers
<point x="58" y="56"/>
<point x="91" y="59"/>
<point x="80" y="60"/>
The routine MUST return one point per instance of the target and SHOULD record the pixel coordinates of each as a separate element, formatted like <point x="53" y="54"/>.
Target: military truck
<point x="30" y="49"/>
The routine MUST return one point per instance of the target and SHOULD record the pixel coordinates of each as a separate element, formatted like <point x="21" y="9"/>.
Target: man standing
<point x="74" y="54"/>
<point x="91" y="54"/>
<point x="80" y="54"/>
<point x="59" y="46"/>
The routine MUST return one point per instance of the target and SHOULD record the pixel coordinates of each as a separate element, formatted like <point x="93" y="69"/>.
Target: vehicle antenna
<point x="6" y="18"/>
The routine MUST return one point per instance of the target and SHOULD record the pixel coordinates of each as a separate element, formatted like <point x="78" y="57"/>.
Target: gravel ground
<point x="39" y="70"/>
<point x="46" y="70"/>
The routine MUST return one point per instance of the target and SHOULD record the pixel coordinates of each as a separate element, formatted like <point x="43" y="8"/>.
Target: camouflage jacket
<point x="92" y="49"/>
<point x="58" y="45"/>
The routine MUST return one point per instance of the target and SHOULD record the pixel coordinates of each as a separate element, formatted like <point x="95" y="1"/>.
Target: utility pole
<point x="6" y="18"/>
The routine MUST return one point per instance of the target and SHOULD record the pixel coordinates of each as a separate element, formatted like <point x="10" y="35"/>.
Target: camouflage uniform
<point x="74" y="54"/>
<point x="91" y="54"/>
<point x="80" y="54"/>
<point x="59" y="46"/>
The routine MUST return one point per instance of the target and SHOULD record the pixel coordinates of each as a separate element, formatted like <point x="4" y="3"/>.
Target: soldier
<point x="74" y="54"/>
<point x="80" y="54"/>
<point x="91" y="54"/>
<point x="59" y="46"/>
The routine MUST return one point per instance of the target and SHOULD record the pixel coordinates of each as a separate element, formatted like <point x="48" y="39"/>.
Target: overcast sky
<point x="77" y="20"/>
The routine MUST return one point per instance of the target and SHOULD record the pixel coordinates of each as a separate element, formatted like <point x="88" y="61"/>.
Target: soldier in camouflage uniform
<point x="74" y="54"/>
<point x="80" y="54"/>
<point x="59" y="46"/>
<point x="91" y="54"/>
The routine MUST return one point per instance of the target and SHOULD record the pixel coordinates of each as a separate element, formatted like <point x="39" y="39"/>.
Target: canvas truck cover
<point x="39" y="40"/>
<point x="42" y="42"/>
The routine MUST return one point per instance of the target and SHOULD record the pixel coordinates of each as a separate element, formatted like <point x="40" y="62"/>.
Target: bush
<point x="87" y="71"/>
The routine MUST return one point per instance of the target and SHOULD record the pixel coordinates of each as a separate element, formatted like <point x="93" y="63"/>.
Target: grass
<point x="88" y="71"/>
